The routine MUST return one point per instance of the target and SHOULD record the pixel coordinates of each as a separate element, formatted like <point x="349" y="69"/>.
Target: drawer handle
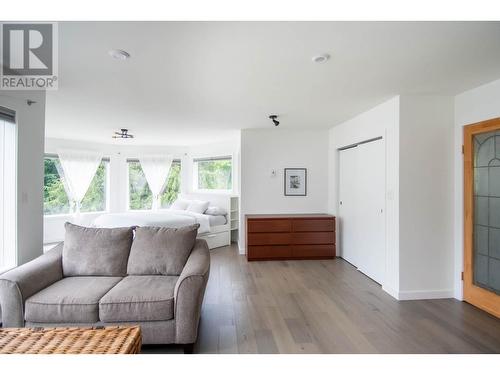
<point x="212" y="235"/>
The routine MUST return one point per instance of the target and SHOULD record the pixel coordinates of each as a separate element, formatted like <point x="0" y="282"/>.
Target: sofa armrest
<point x="189" y="292"/>
<point x="22" y="282"/>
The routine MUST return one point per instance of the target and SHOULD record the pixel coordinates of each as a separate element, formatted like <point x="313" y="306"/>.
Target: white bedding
<point x="217" y="220"/>
<point x="163" y="218"/>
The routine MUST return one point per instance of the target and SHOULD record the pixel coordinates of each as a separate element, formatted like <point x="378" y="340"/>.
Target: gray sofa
<point x="100" y="277"/>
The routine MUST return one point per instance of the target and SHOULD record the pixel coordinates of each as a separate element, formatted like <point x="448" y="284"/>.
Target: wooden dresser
<point x="304" y="236"/>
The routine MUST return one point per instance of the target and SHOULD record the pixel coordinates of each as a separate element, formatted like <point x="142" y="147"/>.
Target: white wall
<point x="479" y="104"/>
<point x="383" y="120"/>
<point x="30" y="143"/>
<point x="418" y="131"/>
<point x="428" y="234"/>
<point x="264" y="150"/>
<point x="118" y="155"/>
<point x="426" y="197"/>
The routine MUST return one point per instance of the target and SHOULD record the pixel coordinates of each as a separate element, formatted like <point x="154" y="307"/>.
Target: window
<point x="140" y="196"/>
<point x="55" y="199"/>
<point x="7" y="189"/>
<point x="213" y="173"/>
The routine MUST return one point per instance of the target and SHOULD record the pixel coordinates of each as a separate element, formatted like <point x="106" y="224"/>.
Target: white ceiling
<point x="200" y="82"/>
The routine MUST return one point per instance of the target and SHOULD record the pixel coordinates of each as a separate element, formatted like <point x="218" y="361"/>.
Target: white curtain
<point x="156" y="169"/>
<point x="78" y="169"/>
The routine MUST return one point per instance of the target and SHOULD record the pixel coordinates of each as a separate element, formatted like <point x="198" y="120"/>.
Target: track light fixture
<point x="274" y="119"/>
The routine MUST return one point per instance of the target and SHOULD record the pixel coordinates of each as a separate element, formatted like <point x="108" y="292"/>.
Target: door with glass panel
<point x="482" y="215"/>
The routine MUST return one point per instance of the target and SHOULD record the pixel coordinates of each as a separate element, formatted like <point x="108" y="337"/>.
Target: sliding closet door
<point x="348" y="182"/>
<point x="371" y="209"/>
<point x="362" y="207"/>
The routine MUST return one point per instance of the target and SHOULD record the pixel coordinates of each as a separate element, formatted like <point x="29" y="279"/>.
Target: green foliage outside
<point x="55" y="199"/>
<point x="211" y="175"/>
<point x="215" y="174"/>
<point x="173" y="187"/>
<point x="95" y="197"/>
<point x="141" y="197"/>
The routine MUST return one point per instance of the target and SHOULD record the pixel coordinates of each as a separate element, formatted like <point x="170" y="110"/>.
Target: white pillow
<point x="216" y="211"/>
<point x="180" y="204"/>
<point x="198" y="207"/>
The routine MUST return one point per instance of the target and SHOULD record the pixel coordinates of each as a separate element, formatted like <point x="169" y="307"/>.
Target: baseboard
<point x="459" y="291"/>
<point x="392" y="292"/>
<point x="458" y="295"/>
<point x="425" y="294"/>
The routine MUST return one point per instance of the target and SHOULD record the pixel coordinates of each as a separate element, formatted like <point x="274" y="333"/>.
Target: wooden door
<point x="482" y="215"/>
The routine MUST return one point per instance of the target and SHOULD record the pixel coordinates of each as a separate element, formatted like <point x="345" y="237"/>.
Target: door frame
<point x="340" y="207"/>
<point x="475" y="295"/>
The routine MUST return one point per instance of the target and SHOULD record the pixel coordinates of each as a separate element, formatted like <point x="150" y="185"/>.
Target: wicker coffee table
<point x="100" y="340"/>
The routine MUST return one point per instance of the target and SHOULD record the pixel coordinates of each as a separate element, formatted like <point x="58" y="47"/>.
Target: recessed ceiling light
<point x="119" y="54"/>
<point x="321" y="58"/>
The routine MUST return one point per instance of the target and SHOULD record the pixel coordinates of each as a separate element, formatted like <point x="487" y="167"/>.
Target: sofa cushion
<point x="70" y="300"/>
<point x="96" y="251"/>
<point x="139" y="299"/>
<point x="161" y="251"/>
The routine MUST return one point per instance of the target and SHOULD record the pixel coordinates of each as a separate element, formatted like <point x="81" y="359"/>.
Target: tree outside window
<point x="213" y="173"/>
<point x="141" y="197"/>
<point x="55" y="199"/>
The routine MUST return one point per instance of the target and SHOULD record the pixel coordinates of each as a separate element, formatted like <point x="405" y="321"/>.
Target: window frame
<point x="107" y="166"/>
<point x="9" y="254"/>
<point x="195" y="175"/>
<point x="127" y="197"/>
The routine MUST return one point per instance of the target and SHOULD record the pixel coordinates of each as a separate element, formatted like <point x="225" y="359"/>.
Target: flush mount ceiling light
<point x="123" y="134"/>
<point x="119" y="54"/>
<point x="321" y="58"/>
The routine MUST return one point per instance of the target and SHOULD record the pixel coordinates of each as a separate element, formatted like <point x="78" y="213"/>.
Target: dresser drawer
<point x="301" y="236"/>
<point x="269" y="239"/>
<point x="269" y="226"/>
<point x="269" y="252"/>
<point x="313" y="251"/>
<point x="313" y="238"/>
<point x="313" y="225"/>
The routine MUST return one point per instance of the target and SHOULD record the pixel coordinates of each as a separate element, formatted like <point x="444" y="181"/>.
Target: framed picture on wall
<point x="296" y="182"/>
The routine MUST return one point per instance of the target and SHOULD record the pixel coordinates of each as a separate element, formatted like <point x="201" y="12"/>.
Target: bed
<point x="215" y="229"/>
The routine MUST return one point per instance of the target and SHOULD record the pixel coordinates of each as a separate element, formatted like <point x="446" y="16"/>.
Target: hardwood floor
<point x="326" y="306"/>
